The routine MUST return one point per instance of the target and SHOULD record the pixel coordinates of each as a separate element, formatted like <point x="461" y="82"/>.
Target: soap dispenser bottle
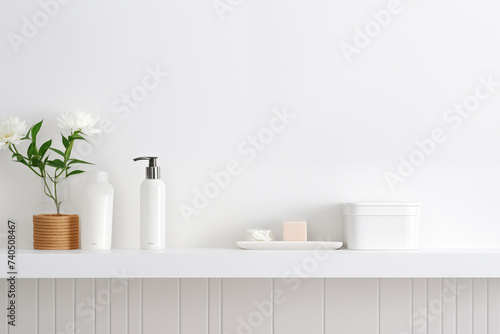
<point x="152" y="207"/>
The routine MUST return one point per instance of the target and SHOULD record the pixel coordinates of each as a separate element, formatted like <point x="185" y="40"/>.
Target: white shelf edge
<point x="235" y="263"/>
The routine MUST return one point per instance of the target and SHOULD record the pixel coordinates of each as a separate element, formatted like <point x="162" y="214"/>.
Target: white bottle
<point x="96" y="218"/>
<point x="153" y="199"/>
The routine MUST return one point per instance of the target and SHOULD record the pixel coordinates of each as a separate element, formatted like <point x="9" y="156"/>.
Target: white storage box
<point x="381" y="225"/>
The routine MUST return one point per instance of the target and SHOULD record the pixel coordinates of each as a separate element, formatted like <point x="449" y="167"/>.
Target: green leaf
<point x="27" y="136"/>
<point x="56" y="163"/>
<point x="32" y="150"/>
<point x="76" y="161"/>
<point x="44" y="148"/>
<point x="65" y="142"/>
<point x="22" y="161"/>
<point x="74" y="137"/>
<point x="61" y="153"/>
<point x="68" y="152"/>
<point x="18" y="157"/>
<point x="75" y="172"/>
<point x="36" y="128"/>
<point x="36" y="161"/>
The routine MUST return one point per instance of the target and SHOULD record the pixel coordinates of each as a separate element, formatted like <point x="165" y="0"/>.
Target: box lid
<point x="382" y="209"/>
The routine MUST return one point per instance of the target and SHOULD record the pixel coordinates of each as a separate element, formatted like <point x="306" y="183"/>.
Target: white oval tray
<point x="298" y="245"/>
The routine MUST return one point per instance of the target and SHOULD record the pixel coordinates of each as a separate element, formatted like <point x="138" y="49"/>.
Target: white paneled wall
<point x="265" y="306"/>
<point x="347" y="300"/>
<point x="395" y="306"/>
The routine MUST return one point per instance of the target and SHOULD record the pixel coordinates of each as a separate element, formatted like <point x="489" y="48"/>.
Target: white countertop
<point x="227" y="263"/>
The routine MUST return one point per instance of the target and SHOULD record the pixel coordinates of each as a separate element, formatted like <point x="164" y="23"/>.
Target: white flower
<point x="78" y="121"/>
<point x="11" y="131"/>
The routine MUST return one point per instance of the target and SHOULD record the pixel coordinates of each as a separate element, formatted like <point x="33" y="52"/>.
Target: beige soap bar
<point x="295" y="231"/>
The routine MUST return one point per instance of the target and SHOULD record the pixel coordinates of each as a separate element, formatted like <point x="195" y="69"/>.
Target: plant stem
<point x="58" y="205"/>
<point x="47" y="190"/>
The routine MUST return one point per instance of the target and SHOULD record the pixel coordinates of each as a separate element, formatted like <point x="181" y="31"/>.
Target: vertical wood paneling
<point x="241" y="298"/>
<point x="265" y="306"/>
<point x="493" y="305"/>
<point x="434" y="305"/>
<point x="464" y="306"/>
<point x="135" y="306"/>
<point x="85" y="305"/>
<point x="299" y="310"/>
<point x="65" y="305"/>
<point x="215" y="306"/>
<point x="102" y="306"/>
<point x="26" y="307"/>
<point x="3" y="305"/>
<point x="449" y="294"/>
<point x="480" y="305"/>
<point x="160" y="302"/>
<point x="118" y="306"/>
<point x="194" y="306"/>
<point x="419" y="308"/>
<point x="46" y="305"/>
<point x="395" y="305"/>
<point x="347" y="300"/>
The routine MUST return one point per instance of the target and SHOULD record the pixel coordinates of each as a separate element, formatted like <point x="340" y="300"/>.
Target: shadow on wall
<point x="324" y="223"/>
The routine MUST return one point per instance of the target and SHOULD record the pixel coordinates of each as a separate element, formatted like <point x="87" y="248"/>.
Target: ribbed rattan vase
<point x="53" y="230"/>
<point x="56" y="231"/>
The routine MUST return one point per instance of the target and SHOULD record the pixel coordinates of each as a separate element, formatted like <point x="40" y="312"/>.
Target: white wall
<point x="353" y="119"/>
